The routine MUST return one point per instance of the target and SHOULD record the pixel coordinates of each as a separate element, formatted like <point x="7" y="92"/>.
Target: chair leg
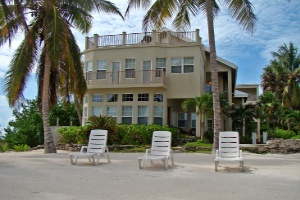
<point x="172" y="158"/>
<point x="165" y="160"/>
<point x="93" y="159"/>
<point x="141" y="163"/>
<point x="242" y="165"/>
<point x="71" y="159"/>
<point x="216" y="165"/>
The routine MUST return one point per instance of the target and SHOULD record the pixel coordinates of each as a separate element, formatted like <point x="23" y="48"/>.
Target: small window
<point x="97" y="98"/>
<point x="112" y="97"/>
<point x="161" y="64"/>
<point x="86" y="99"/>
<point x="111" y="111"/>
<point x="130" y="68"/>
<point x="176" y="65"/>
<point x="143" y="97"/>
<point x="127" y="97"/>
<point x="89" y="70"/>
<point x="193" y="119"/>
<point x="143" y="115"/>
<point x="188" y="65"/>
<point x="158" y="115"/>
<point x="182" y="118"/>
<point x="101" y="69"/>
<point x="127" y="114"/>
<point x="97" y="110"/>
<point x="158" y="97"/>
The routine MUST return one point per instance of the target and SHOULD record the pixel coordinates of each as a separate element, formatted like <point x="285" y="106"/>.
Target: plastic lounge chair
<point x="229" y="149"/>
<point x="160" y="149"/>
<point x="95" y="149"/>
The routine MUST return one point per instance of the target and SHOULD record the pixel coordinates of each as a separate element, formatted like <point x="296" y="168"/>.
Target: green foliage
<point x="65" y="113"/>
<point x="27" y="127"/>
<point x="285" y="134"/>
<point x="3" y="146"/>
<point x="73" y="135"/>
<point x="198" y="143"/>
<point x="209" y="136"/>
<point x="21" y="147"/>
<point x="296" y="137"/>
<point x="106" y="123"/>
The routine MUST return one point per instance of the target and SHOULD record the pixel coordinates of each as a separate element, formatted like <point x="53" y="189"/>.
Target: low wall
<point x="280" y="146"/>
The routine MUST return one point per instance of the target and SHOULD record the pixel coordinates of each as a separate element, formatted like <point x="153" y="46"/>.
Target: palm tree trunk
<point x="214" y="74"/>
<point x="49" y="146"/>
<point x="202" y="126"/>
<point x="78" y="109"/>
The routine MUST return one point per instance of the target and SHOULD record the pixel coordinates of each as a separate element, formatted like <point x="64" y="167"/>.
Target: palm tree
<point x="162" y="10"/>
<point x="48" y="39"/>
<point x="203" y="104"/>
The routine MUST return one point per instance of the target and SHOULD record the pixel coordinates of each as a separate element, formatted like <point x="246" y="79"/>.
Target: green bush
<point x="209" y="136"/>
<point x="296" y="137"/>
<point x="21" y="147"/>
<point x="73" y="135"/>
<point x="285" y="134"/>
<point x="198" y="143"/>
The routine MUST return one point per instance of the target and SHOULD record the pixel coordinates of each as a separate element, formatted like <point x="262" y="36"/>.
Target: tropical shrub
<point x="285" y="134"/>
<point x="73" y="135"/>
<point x="21" y="147"/>
<point x="103" y="122"/>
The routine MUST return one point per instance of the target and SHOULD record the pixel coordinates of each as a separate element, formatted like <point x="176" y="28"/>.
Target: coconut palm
<point x="203" y="104"/>
<point x="48" y="39"/>
<point x="162" y="10"/>
<point x="242" y="115"/>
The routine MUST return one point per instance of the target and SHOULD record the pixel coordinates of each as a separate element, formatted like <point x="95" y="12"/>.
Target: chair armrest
<point x="82" y="148"/>
<point x="148" y="152"/>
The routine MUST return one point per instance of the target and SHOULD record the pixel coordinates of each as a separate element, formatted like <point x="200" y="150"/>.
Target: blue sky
<point x="278" y="23"/>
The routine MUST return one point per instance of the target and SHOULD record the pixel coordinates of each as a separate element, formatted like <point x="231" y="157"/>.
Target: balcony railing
<point x="124" y="39"/>
<point x="102" y="78"/>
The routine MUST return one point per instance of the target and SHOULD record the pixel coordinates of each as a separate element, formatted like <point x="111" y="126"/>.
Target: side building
<point x="143" y="78"/>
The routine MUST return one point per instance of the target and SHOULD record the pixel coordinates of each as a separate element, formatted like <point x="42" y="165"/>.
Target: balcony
<point x="143" y="39"/>
<point x="142" y="78"/>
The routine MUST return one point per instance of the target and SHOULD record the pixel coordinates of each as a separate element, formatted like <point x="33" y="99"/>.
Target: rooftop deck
<point x="145" y="38"/>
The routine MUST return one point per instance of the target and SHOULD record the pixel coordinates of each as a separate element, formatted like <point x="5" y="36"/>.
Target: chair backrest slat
<point x="161" y="143"/>
<point x="97" y="141"/>
<point x="229" y="144"/>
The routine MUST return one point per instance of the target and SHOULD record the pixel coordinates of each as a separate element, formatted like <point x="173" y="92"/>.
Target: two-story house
<point x="143" y="78"/>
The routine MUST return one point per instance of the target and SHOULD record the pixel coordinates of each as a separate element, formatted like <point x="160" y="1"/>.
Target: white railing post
<point x="198" y="38"/>
<point x="124" y="39"/>
<point x="95" y="41"/>
<point x="168" y="37"/>
<point x="153" y="35"/>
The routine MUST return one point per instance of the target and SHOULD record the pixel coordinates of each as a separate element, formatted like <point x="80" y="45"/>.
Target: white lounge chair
<point x="95" y="149"/>
<point x="160" y="149"/>
<point x="229" y="149"/>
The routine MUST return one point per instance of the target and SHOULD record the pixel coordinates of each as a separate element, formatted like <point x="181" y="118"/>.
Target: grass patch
<point x="198" y="143"/>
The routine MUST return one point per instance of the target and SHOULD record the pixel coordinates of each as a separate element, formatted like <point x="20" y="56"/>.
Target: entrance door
<point x="115" y="72"/>
<point x="146" y="71"/>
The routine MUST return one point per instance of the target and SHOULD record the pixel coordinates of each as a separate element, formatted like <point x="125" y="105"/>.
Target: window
<point x="85" y="99"/>
<point x="182" y="65"/>
<point x="89" y="70"/>
<point x="161" y="64"/>
<point x="182" y="118"/>
<point x="158" y="97"/>
<point x="127" y="97"/>
<point x="111" y="111"/>
<point x="101" y="69"/>
<point x="193" y="120"/>
<point x="85" y="113"/>
<point x="112" y="97"/>
<point x="127" y="114"/>
<point x="210" y="125"/>
<point x="130" y="68"/>
<point x="143" y="115"/>
<point x="97" y="110"/>
<point x="158" y="115"/>
<point x="143" y="97"/>
<point x="208" y="88"/>
<point x="97" y="98"/>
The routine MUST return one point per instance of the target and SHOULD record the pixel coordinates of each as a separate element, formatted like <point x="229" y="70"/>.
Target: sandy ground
<point x="34" y="175"/>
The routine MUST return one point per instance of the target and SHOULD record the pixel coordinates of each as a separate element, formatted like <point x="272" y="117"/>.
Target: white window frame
<point x="126" y="113"/>
<point x="114" y="95"/>
<point x="127" y="98"/>
<point x="113" y="113"/>
<point x="160" y="66"/>
<point x="89" y="70"/>
<point x="129" y="68"/>
<point x="158" y="112"/>
<point x="97" y="110"/>
<point x="182" y="64"/>
<point x="143" y="97"/>
<point x="184" y="119"/>
<point x="97" y="98"/>
<point x="101" y="69"/>
<point x="160" y="99"/>
<point x="193" y="118"/>
<point x="143" y="114"/>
